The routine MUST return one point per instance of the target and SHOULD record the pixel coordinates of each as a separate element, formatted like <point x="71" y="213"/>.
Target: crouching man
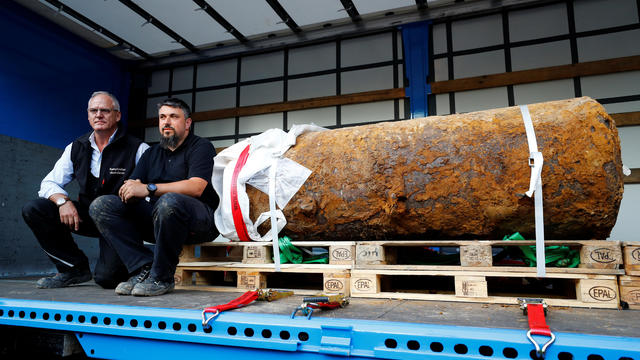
<point x="168" y="200"/>
<point x="101" y="160"/>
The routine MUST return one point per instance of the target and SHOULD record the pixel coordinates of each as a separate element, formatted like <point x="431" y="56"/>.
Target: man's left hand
<point x="132" y="189"/>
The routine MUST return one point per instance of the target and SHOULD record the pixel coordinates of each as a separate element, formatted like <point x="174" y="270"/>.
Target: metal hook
<point x="541" y="352"/>
<point x="205" y="320"/>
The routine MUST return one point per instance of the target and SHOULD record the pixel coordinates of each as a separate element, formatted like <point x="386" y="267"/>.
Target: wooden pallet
<point x="631" y="253"/>
<point x="236" y="276"/>
<point x="253" y="252"/>
<point x="630" y="291"/>
<point x="596" y="257"/>
<point x="572" y="289"/>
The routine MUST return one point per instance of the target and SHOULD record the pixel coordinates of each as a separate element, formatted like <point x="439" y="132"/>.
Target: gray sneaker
<point x="152" y="287"/>
<point x="125" y="288"/>
<point x="71" y="277"/>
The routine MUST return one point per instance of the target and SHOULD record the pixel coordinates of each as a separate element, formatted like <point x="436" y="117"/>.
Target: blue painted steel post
<point x="415" y="38"/>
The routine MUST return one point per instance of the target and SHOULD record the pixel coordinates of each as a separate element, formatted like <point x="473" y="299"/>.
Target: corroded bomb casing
<point x="459" y="176"/>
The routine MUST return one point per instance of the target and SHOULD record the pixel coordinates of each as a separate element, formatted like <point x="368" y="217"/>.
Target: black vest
<point x="118" y="161"/>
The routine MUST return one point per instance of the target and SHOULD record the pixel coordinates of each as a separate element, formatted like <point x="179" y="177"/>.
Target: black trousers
<point x="169" y="221"/>
<point x="43" y="217"/>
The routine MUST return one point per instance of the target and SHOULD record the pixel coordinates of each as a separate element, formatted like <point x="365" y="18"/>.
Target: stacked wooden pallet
<point x="388" y="269"/>
<point x="630" y="283"/>
<point x="378" y="274"/>
<point x="249" y="265"/>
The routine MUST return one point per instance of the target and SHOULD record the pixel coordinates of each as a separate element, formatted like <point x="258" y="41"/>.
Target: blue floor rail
<point x="129" y="332"/>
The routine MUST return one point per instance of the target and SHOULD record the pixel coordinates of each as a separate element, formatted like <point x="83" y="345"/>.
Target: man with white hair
<point x="100" y="161"/>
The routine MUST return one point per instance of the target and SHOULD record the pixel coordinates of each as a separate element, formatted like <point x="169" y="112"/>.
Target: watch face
<point x="152" y="187"/>
<point x="61" y="201"/>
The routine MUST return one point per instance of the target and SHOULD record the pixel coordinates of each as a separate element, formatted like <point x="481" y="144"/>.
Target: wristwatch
<point x="151" y="188"/>
<point x="61" y="201"/>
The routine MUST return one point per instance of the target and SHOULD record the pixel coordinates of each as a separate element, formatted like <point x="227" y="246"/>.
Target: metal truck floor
<point x="564" y="319"/>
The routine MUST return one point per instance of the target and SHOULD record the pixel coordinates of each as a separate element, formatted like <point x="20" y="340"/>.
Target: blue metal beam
<point x="127" y="332"/>
<point x="415" y="38"/>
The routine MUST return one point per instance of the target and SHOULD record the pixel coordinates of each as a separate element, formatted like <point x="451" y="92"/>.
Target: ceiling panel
<point x="371" y="6"/>
<point x="307" y="12"/>
<point x="71" y="18"/>
<point x="125" y="23"/>
<point x="250" y="17"/>
<point x="185" y="18"/>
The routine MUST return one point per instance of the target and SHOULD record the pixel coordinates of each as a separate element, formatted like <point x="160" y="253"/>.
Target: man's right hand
<point x="69" y="215"/>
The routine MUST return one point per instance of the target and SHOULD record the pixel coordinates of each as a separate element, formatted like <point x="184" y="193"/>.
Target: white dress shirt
<point x="62" y="172"/>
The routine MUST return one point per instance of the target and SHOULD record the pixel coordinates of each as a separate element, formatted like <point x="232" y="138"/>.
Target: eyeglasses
<point x="94" y="111"/>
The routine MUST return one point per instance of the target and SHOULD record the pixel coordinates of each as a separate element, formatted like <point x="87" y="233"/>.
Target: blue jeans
<point x="169" y="221"/>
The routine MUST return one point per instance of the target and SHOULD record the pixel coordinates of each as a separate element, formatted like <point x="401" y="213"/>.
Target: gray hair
<point x="116" y="104"/>
<point x="176" y="103"/>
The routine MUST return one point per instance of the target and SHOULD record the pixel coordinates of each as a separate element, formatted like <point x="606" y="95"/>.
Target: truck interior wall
<point x="467" y="48"/>
<point x="46" y="78"/>
<point x="325" y="69"/>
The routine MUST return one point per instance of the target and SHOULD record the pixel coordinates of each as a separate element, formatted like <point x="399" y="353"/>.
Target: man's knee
<point x="33" y="210"/>
<point x="166" y="206"/>
<point x="101" y="204"/>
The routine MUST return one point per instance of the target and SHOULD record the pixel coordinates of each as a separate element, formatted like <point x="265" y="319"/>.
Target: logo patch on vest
<point x="117" y="171"/>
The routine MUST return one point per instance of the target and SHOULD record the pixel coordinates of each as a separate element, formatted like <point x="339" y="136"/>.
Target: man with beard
<point x="168" y="200"/>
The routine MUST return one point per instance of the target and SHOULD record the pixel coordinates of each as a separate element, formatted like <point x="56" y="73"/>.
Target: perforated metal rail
<point x="127" y="332"/>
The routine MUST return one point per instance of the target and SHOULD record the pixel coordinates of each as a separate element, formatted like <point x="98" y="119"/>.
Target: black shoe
<point x="71" y="277"/>
<point x="124" y="288"/>
<point x="152" y="287"/>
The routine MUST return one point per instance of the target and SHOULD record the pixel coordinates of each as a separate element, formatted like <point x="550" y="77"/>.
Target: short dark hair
<point x="176" y="103"/>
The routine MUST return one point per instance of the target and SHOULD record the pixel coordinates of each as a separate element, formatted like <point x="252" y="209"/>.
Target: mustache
<point x="168" y="127"/>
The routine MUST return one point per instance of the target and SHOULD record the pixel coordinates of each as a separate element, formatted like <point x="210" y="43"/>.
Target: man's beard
<point x="169" y="142"/>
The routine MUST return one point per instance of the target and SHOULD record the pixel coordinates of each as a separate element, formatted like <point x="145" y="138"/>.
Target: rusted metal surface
<point x="460" y="176"/>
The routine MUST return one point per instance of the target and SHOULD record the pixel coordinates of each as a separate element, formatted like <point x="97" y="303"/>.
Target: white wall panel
<point x="312" y="58"/>
<point x="538" y="22"/>
<point x="490" y="62"/>
<point x="543" y="91"/>
<point x="260" y="123"/>
<point x="367" y="80"/>
<point x="368" y="112"/>
<point x="217" y="73"/>
<point x="441" y="69"/>
<point x="218" y="144"/>
<point x="623" y="107"/>
<point x="477" y="32"/>
<point x="475" y="100"/>
<point x="182" y="78"/>
<point x="322" y="117"/>
<point x="541" y="55"/>
<point x="311" y="87"/>
<point x="630" y="144"/>
<point x="611" y="85"/>
<point x="159" y="82"/>
<point x="626" y="228"/>
<point x="216" y="99"/>
<point x="442" y="104"/>
<point x="439" y="38"/>
<point x="620" y="44"/>
<point x="151" y="134"/>
<point x="598" y="14"/>
<point x="261" y="93"/>
<point x="262" y="66"/>
<point x="366" y="50"/>
<point x="152" y="106"/>
<point x="219" y="127"/>
<point x="187" y="98"/>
